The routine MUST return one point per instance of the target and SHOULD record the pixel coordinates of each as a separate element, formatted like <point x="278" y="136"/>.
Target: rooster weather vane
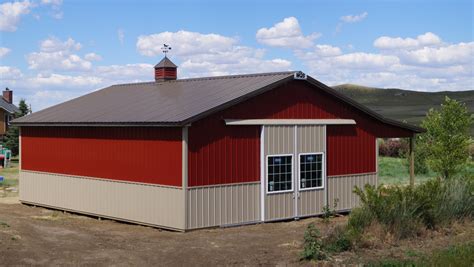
<point x="165" y="49"/>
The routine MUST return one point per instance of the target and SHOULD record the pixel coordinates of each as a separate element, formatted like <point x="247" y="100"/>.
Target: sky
<point x="54" y="50"/>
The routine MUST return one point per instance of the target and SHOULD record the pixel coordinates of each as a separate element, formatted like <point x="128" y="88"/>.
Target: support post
<point x="412" y="160"/>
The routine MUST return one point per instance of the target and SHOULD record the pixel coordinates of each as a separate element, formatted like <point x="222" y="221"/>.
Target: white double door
<point x="293" y="171"/>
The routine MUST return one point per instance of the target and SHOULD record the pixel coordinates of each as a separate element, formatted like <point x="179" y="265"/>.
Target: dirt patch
<point x="40" y="236"/>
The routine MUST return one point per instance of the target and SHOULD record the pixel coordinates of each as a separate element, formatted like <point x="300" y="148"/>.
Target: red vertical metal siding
<point x="148" y="155"/>
<point x="220" y="154"/>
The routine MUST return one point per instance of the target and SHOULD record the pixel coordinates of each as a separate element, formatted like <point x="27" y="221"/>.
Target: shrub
<point x="360" y="219"/>
<point x="392" y="148"/>
<point x="405" y="210"/>
<point x="328" y="212"/>
<point x="338" y="240"/>
<point x="313" y="246"/>
<point x="447" y="137"/>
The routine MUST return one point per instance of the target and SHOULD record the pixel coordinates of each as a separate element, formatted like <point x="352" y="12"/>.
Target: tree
<point x="10" y="139"/>
<point x="447" y="138"/>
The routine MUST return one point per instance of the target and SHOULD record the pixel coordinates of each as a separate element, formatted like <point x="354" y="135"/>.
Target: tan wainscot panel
<point x="223" y="205"/>
<point x="311" y="139"/>
<point x="341" y="188"/>
<point x="279" y="140"/>
<point x="141" y="203"/>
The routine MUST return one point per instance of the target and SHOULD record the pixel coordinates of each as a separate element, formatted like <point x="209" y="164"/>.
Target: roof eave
<point x="365" y="109"/>
<point x="239" y="99"/>
<point x="98" y="124"/>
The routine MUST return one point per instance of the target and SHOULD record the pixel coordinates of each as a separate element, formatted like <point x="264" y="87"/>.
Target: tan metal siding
<point x="311" y="202"/>
<point x="141" y="203"/>
<point x="341" y="187"/>
<point x="311" y="139"/>
<point x="279" y="140"/>
<point x="223" y="205"/>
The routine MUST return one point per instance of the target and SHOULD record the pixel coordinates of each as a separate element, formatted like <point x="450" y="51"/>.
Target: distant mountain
<point x="403" y="105"/>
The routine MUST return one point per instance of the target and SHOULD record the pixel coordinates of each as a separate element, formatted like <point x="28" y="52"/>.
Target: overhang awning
<point x="290" y="122"/>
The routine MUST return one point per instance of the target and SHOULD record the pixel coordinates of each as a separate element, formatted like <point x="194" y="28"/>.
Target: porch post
<point x="412" y="160"/>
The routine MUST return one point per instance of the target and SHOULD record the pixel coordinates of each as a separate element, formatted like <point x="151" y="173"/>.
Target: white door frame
<point x="295" y="175"/>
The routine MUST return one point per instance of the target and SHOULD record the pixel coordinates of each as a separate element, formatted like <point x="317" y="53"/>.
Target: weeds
<point x="395" y="212"/>
<point x="405" y="210"/>
<point x="458" y="255"/>
<point x="313" y="246"/>
<point x="328" y="212"/>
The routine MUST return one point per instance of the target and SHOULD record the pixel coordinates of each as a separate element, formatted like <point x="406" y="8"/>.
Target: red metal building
<point x="194" y="153"/>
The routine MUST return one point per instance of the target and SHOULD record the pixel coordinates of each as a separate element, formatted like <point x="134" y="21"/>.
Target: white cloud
<point x="362" y="60"/>
<point x="456" y="54"/>
<point x="423" y="63"/>
<point x="52" y="2"/>
<point x="55" y="54"/>
<point x="209" y="54"/>
<point x="121" y="36"/>
<point x="126" y="73"/>
<point x="427" y="39"/>
<point x="4" y="51"/>
<point x="319" y="51"/>
<point x="287" y="34"/>
<point x="56" y="11"/>
<point x="8" y="73"/>
<point x="54" y="44"/>
<point x="10" y="14"/>
<point x="354" y="18"/>
<point x="93" y="57"/>
<point x="350" y="19"/>
<point x="184" y="43"/>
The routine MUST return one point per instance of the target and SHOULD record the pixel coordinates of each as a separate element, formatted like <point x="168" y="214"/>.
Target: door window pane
<point x="279" y="171"/>
<point x="311" y="171"/>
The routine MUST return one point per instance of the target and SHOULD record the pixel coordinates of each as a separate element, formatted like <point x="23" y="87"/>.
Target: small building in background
<point x="203" y="152"/>
<point x="7" y="110"/>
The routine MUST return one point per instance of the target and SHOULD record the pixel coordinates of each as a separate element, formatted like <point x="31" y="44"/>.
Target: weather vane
<point x="166" y="48"/>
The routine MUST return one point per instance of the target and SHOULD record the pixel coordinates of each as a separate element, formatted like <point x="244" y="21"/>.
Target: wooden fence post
<point x="412" y="160"/>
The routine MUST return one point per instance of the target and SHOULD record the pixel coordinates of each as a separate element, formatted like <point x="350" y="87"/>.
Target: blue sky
<point x="53" y="50"/>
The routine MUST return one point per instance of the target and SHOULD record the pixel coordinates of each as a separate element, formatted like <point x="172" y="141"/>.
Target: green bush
<point x="313" y="245"/>
<point x="338" y="240"/>
<point x="403" y="210"/>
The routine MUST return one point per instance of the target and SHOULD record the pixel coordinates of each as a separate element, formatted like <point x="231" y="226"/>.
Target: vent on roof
<point x="165" y="70"/>
<point x="300" y="75"/>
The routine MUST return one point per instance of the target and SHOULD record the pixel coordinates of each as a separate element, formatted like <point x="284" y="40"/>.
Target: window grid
<point x="311" y="171"/>
<point x="279" y="170"/>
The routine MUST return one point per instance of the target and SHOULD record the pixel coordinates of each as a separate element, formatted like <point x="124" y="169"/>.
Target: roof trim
<point x="238" y="100"/>
<point x="290" y="122"/>
<point x="102" y="124"/>
<point x="363" y="108"/>
<point x="321" y="86"/>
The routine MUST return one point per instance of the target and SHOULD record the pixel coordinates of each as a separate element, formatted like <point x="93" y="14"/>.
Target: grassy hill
<point x="403" y="105"/>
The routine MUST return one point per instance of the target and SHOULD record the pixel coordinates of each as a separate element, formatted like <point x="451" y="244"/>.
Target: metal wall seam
<point x="184" y="172"/>
<point x="262" y="174"/>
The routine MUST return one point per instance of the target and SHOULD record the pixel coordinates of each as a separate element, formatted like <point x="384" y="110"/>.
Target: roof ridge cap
<point x="233" y="76"/>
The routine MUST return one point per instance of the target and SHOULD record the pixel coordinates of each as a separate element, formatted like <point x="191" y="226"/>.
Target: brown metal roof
<point x="173" y="103"/>
<point x="155" y="103"/>
<point x="165" y="63"/>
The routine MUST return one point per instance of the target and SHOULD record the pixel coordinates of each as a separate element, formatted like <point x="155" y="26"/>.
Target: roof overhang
<point x="99" y="124"/>
<point x="290" y="122"/>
